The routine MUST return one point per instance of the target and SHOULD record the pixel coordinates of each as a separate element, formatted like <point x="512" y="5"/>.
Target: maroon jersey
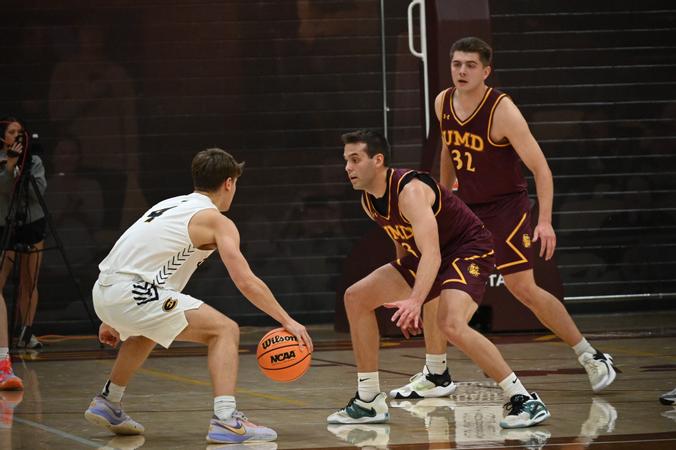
<point x="486" y="170"/>
<point x="457" y="224"/>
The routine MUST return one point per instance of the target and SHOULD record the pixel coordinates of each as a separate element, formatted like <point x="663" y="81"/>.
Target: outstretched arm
<point x="252" y="287"/>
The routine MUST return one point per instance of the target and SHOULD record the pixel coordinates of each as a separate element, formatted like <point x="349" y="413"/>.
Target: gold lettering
<point x="477" y="143"/>
<point x="448" y="137"/>
<point x="461" y="140"/>
<point x="398" y="233"/>
<point x="467" y="140"/>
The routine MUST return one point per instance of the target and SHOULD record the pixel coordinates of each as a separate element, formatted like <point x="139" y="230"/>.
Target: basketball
<point x="280" y="357"/>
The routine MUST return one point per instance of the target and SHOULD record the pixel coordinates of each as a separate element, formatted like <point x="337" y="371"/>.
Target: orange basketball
<point x="280" y="357"/>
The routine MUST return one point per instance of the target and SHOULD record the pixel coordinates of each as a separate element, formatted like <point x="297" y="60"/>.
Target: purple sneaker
<point x="237" y="429"/>
<point x="106" y="414"/>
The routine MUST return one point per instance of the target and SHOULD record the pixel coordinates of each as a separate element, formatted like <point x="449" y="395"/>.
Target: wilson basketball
<point x="280" y="357"/>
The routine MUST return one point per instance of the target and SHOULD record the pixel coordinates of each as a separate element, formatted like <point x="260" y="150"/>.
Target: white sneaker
<point x="362" y="435"/>
<point x="599" y="368"/>
<point x="359" y="411"/>
<point x="524" y="411"/>
<point x="426" y="385"/>
<point x="668" y="398"/>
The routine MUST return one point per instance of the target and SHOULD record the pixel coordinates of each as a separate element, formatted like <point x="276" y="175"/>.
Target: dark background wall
<point x="125" y="93"/>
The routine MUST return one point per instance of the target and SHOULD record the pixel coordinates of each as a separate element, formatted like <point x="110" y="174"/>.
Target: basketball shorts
<point x="27" y="234"/>
<point x="509" y="221"/>
<point x="466" y="270"/>
<point x="137" y="308"/>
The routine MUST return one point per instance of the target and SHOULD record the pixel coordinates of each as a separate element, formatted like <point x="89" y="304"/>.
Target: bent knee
<point x="453" y="329"/>
<point x="526" y="294"/>
<point x="352" y="298"/>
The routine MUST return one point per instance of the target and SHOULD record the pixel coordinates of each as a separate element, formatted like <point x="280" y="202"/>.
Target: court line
<point x="187" y="380"/>
<point x="58" y="432"/>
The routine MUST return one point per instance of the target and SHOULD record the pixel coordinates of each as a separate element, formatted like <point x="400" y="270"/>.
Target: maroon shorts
<point x="466" y="270"/>
<point x="509" y="221"/>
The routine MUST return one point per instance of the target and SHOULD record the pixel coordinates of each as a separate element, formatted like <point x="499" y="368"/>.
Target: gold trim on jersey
<point x="457" y="270"/>
<point x="476" y="110"/>
<point x="508" y="241"/>
<point x="462" y="277"/>
<point x="388" y="192"/>
<point x="490" y="123"/>
<point x="436" y="186"/>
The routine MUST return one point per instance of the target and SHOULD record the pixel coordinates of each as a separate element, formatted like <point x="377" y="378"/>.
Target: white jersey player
<point x="138" y="297"/>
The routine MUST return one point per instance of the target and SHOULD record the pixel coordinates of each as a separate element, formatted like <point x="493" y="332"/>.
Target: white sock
<point x="583" y="347"/>
<point x="224" y="406"/>
<point x="112" y="392"/>
<point x="4" y="352"/>
<point x="368" y="385"/>
<point x="436" y="364"/>
<point x="512" y="386"/>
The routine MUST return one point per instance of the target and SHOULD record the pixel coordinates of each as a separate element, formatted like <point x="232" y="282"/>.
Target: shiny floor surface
<point x="171" y="395"/>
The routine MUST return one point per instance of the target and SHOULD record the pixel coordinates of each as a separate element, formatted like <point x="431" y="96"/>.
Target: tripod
<point x="16" y="217"/>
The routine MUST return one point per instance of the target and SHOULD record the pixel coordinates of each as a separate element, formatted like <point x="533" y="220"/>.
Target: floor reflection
<point x="369" y="436"/>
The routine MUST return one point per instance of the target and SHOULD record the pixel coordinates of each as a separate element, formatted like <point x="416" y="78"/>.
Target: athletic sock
<point x="368" y="385"/>
<point x="436" y="364"/>
<point x="4" y="353"/>
<point x="112" y="392"/>
<point x="583" y="347"/>
<point x="224" y="406"/>
<point x="512" y="386"/>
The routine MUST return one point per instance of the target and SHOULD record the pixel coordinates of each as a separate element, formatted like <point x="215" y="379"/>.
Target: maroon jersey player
<point x="443" y="251"/>
<point x="484" y="141"/>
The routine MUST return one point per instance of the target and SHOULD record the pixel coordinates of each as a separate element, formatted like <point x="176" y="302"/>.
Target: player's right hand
<point x="301" y="334"/>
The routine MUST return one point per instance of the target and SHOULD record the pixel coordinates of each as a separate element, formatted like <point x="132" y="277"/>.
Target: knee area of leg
<point x="229" y="328"/>
<point x="522" y="291"/>
<point x="452" y="330"/>
<point x="351" y="298"/>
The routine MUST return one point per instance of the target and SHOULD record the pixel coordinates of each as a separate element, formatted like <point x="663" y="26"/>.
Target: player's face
<point x="11" y="132"/>
<point x="360" y="168"/>
<point x="467" y="71"/>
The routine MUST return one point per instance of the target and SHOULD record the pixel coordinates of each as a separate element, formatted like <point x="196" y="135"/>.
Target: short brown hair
<point x="375" y="143"/>
<point x="211" y="167"/>
<point x="474" y="45"/>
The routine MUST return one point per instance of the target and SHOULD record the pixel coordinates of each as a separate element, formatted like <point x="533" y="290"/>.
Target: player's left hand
<point x="545" y="232"/>
<point x="407" y="316"/>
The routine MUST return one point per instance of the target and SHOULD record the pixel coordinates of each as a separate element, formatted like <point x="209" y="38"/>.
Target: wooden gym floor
<point x="171" y="395"/>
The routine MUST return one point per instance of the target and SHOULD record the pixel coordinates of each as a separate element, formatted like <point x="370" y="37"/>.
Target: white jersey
<point x="157" y="248"/>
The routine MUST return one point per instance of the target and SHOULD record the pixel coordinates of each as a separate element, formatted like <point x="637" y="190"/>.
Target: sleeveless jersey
<point x="457" y="224"/>
<point x="157" y="248"/>
<point x="486" y="170"/>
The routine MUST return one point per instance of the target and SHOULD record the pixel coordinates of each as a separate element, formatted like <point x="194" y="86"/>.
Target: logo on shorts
<point x="169" y="304"/>
<point x="526" y="241"/>
<point x="473" y="270"/>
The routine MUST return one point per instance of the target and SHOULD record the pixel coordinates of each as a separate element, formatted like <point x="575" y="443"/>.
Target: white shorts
<point x="137" y="308"/>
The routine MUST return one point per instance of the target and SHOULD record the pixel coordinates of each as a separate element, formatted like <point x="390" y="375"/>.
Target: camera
<point x="19" y="140"/>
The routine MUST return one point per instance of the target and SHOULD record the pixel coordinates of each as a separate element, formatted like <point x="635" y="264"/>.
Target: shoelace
<point x="514" y="406"/>
<point x="239" y="415"/>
